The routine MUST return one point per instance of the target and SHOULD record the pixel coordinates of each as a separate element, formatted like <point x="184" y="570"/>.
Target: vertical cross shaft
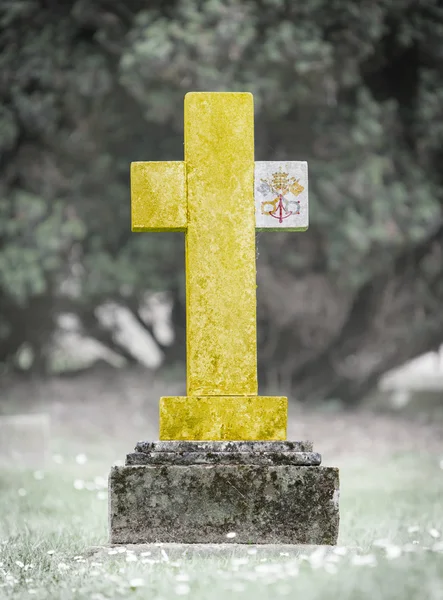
<point x="220" y="245"/>
<point x="210" y="196"/>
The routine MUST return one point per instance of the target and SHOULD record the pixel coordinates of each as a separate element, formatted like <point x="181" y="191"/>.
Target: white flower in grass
<point x="58" y="459"/>
<point x="131" y="558"/>
<point x="413" y="528"/>
<point x="434" y="533"/>
<point x="317" y="558"/>
<point x="333" y="558"/>
<point x="231" y="535"/>
<point x="237" y="562"/>
<point x="268" y="568"/>
<point x="22" y="492"/>
<point x="19" y="564"/>
<point x="165" y="557"/>
<point x="392" y="552"/>
<point x="381" y="543"/>
<point x="409" y="548"/>
<point x="182" y="577"/>
<point x="366" y="560"/>
<point x="136" y="583"/>
<point x="39" y="475"/>
<point x="81" y="459"/>
<point x="441" y="464"/>
<point x="101" y="495"/>
<point x="50" y="552"/>
<point x="79" y="484"/>
<point x="182" y="589"/>
<point x="292" y="569"/>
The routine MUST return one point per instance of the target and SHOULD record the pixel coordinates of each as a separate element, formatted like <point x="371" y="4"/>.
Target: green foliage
<point x="302" y="61"/>
<point x="354" y="88"/>
<point x="36" y="237"/>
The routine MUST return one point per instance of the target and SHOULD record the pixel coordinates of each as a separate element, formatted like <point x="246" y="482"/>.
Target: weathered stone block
<point x="250" y="448"/>
<point x="227" y="453"/>
<point x="202" y="503"/>
<point x="215" y="458"/>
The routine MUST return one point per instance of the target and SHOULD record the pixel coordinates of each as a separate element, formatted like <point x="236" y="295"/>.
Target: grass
<point x="393" y="511"/>
<point x="391" y="508"/>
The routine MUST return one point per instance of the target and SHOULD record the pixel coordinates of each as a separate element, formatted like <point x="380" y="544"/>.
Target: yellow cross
<point x="210" y="196"/>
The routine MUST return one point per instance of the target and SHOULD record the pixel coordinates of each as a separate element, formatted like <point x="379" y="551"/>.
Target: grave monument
<point x="222" y="470"/>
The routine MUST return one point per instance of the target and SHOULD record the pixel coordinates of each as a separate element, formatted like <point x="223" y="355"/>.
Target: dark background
<point x="354" y="88"/>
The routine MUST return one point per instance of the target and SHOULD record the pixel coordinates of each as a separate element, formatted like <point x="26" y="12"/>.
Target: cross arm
<point x="158" y="196"/>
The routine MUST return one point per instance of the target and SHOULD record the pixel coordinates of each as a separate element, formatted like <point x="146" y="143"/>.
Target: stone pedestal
<point x="199" y="492"/>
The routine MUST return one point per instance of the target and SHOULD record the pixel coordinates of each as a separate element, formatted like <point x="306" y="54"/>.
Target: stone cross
<point x="219" y="197"/>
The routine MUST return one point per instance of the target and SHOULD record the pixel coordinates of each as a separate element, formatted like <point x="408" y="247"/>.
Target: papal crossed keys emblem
<point x="281" y="185"/>
<point x="281" y="195"/>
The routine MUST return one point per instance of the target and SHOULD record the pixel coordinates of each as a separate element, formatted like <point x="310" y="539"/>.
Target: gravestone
<point x="222" y="465"/>
<point x="24" y="440"/>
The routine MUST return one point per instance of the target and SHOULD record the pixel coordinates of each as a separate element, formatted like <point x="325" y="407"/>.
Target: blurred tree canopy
<point x="355" y="88"/>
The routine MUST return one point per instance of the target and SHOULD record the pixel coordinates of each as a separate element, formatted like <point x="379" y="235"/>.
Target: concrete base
<point x="260" y="501"/>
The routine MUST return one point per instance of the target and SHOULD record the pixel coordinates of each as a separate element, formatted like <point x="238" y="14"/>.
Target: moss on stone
<point x="190" y="504"/>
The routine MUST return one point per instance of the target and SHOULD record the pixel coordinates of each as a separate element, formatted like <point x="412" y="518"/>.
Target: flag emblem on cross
<point x="280" y="184"/>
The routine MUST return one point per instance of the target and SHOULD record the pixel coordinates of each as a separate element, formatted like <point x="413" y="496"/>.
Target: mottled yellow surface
<point x="223" y="418"/>
<point x="220" y="244"/>
<point x="158" y="196"/>
<point x="211" y="196"/>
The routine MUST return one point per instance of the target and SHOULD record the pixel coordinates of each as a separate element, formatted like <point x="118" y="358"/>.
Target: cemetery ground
<point x="53" y="518"/>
